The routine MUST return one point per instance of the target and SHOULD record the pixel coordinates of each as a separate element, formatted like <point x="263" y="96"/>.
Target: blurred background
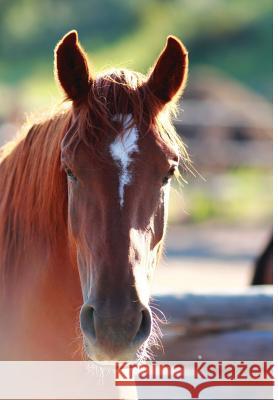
<point x="221" y="221"/>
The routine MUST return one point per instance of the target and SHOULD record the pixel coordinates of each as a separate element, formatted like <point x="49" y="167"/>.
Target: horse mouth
<point x="100" y="355"/>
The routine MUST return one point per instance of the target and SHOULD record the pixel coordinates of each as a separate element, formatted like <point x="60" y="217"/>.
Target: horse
<point x="83" y="211"/>
<point x="263" y="266"/>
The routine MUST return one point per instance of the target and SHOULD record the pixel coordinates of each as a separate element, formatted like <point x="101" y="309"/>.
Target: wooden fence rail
<point x="231" y="326"/>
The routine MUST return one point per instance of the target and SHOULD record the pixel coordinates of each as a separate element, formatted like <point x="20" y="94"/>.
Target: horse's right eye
<point x="70" y="174"/>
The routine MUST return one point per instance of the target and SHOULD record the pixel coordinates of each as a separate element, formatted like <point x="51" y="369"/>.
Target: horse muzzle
<point x="110" y="335"/>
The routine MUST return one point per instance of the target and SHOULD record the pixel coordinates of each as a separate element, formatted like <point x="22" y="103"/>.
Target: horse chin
<point x="101" y="357"/>
<point x="98" y="355"/>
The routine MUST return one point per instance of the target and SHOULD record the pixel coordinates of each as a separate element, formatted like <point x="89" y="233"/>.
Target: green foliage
<point x="233" y="35"/>
<point x="231" y="197"/>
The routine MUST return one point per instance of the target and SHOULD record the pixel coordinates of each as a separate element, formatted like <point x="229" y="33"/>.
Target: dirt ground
<point x="208" y="258"/>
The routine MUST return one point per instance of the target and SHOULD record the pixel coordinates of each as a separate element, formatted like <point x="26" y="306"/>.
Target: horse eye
<point x="70" y="174"/>
<point x="166" y="178"/>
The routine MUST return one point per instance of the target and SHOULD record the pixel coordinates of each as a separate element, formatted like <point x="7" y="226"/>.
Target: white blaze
<point x="121" y="150"/>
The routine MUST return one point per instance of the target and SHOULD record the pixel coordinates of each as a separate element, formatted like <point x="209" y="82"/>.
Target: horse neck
<point x="33" y="207"/>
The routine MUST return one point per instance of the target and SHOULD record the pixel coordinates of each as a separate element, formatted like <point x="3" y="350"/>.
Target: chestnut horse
<point x="83" y="211"/>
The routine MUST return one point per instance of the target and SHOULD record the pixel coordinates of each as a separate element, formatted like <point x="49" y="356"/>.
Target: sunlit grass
<point x="242" y="195"/>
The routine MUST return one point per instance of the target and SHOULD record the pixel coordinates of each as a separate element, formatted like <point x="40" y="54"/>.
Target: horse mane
<point x="33" y="190"/>
<point x="33" y="204"/>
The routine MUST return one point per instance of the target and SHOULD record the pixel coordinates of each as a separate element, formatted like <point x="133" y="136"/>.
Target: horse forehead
<point x="123" y="146"/>
<point x="122" y="150"/>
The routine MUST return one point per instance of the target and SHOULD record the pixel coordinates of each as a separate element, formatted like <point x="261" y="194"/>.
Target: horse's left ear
<point x="169" y="74"/>
<point x="71" y="67"/>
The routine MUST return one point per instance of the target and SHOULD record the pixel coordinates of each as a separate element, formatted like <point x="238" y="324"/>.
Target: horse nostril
<point x="87" y="323"/>
<point x="112" y="333"/>
<point x="144" y="328"/>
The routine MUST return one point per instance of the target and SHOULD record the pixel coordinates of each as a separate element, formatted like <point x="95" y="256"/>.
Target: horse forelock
<point x="120" y="92"/>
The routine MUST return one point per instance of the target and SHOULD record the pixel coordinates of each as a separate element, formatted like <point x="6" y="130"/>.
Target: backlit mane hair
<point x="32" y="183"/>
<point x="119" y="92"/>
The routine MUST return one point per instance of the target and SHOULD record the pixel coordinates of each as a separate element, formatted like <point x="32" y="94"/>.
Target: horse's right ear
<point x="71" y="67"/>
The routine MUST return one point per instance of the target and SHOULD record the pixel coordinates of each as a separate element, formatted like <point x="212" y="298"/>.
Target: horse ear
<point x="71" y="67"/>
<point x="169" y="74"/>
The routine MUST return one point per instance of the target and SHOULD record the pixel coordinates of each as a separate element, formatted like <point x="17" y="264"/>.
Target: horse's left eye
<point x="70" y="174"/>
<point x="166" y="178"/>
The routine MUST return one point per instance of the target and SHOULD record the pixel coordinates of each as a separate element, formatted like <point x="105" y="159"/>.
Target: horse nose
<point x="115" y="334"/>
